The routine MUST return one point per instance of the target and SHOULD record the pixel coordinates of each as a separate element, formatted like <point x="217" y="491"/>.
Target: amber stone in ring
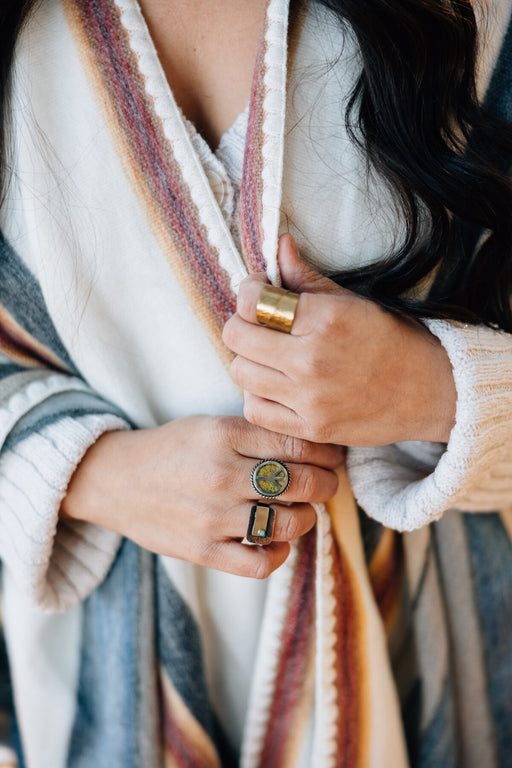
<point x="270" y="478"/>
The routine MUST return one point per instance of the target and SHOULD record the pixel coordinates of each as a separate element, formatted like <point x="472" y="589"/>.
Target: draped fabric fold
<point x="376" y="649"/>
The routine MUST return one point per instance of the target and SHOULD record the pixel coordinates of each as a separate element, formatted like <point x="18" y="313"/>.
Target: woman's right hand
<point x="184" y="489"/>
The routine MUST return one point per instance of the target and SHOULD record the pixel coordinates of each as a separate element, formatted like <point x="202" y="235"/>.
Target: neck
<point x="208" y="58"/>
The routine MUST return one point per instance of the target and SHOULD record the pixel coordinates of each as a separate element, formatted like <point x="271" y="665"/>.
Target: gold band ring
<point x="261" y="524"/>
<point x="276" y="308"/>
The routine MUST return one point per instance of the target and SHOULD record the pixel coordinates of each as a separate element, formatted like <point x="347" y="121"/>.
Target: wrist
<point x="90" y="491"/>
<point x="440" y="417"/>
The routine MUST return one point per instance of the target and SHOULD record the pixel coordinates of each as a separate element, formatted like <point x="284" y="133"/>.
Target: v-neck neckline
<point x="178" y="139"/>
<point x="164" y="168"/>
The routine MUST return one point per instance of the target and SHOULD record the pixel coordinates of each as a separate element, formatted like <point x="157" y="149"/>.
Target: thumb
<point x="298" y="276"/>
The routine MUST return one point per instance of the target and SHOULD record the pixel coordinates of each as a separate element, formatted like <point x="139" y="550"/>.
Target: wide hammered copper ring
<point x="270" y="478"/>
<point x="276" y="308"/>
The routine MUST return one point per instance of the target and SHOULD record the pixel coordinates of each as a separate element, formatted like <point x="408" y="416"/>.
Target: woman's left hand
<point x="349" y="373"/>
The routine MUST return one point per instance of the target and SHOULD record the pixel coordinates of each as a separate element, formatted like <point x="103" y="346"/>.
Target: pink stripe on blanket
<point x="152" y="154"/>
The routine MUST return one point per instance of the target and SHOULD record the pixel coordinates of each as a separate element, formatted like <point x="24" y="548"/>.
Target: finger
<point x="252" y="441"/>
<point x="306" y="313"/>
<point x="297" y="275"/>
<point x="262" y="380"/>
<point x="307" y="483"/>
<point x="242" y="559"/>
<point x="259" y="344"/>
<point x="278" y="418"/>
<point x="291" y="522"/>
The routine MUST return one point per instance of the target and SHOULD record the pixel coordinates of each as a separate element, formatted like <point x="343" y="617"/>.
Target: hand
<point x="184" y="490"/>
<point x="349" y="373"/>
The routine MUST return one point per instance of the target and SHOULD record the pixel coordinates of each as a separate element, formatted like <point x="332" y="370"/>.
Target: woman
<point x="127" y="239"/>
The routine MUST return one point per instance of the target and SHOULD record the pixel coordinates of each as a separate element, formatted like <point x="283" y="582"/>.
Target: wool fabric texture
<point x="117" y="272"/>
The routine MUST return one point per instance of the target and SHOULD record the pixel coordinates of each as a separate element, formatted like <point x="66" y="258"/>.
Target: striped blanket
<point x="377" y="649"/>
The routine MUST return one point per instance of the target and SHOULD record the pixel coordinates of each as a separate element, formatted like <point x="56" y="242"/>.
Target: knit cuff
<point x="58" y="562"/>
<point x="406" y="486"/>
<point x="22" y="392"/>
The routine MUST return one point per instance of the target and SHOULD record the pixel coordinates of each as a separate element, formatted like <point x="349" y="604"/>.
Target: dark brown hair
<point x="13" y="14"/>
<point x="418" y="120"/>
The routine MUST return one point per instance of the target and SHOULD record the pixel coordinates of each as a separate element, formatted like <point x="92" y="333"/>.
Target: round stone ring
<point x="270" y="478"/>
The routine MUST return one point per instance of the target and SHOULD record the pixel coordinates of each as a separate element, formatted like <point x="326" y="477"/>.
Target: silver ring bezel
<point x="267" y="494"/>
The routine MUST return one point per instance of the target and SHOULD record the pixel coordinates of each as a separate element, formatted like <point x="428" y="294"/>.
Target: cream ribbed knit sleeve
<point x="408" y="485"/>
<point x="57" y="563"/>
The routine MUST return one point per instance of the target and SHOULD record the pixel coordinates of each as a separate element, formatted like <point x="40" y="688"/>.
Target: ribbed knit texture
<point x="151" y="283"/>
<point x="409" y="485"/>
<point x="58" y="563"/>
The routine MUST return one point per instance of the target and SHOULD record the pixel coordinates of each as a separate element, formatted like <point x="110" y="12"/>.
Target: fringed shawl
<point x="376" y="649"/>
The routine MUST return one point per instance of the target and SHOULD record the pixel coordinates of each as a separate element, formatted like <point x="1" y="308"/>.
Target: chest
<point x="207" y="53"/>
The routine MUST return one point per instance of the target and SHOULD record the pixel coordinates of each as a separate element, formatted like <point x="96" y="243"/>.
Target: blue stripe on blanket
<point x="21" y="295"/>
<point x="180" y="649"/>
<point x="105" y="733"/>
<point x="9" y="368"/>
<point x="70" y="403"/>
<point x="438" y="746"/>
<point x="491" y="562"/>
<point x="111" y="724"/>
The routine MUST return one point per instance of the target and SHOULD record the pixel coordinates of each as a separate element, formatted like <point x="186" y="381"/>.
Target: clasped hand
<point x="349" y="373"/>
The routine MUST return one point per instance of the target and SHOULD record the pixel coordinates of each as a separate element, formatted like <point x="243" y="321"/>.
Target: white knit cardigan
<point x="74" y="220"/>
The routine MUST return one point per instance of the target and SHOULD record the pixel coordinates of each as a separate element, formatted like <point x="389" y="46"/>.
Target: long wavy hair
<point x="414" y="112"/>
<point x="13" y="14"/>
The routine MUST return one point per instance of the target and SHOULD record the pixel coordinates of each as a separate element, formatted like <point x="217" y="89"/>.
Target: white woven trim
<point x="266" y="667"/>
<point x="274" y="106"/>
<point x="179" y="140"/>
<point x="326" y="696"/>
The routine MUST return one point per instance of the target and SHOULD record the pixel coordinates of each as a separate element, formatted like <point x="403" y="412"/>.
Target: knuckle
<point x="207" y="553"/>
<point x="243" y="304"/>
<point x="297" y="448"/>
<point x="220" y="428"/>
<point x="317" y="430"/>
<point x="236" y="371"/>
<point x="228" y="332"/>
<point x="307" y="485"/>
<point x="252" y="411"/>
<point x="217" y="478"/>
<point x="291" y="448"/>
<point x="225" y="430"/>
<point x="248" y="293"/>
